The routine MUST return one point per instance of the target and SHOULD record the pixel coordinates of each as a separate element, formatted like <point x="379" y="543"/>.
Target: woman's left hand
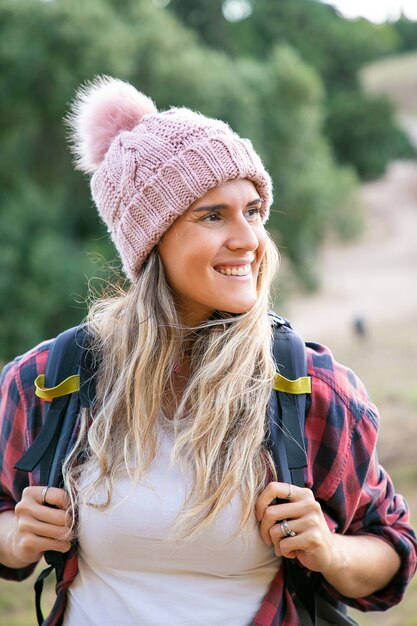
<point x="312" y="542"/>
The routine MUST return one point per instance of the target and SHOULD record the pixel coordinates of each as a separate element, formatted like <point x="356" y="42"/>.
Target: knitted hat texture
<point x="148" y="167"/>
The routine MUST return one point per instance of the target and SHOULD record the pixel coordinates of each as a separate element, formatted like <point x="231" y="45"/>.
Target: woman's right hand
<point x="41" y="524"/>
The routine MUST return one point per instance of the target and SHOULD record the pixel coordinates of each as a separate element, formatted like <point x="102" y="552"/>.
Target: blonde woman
<point x="170" y="491"/>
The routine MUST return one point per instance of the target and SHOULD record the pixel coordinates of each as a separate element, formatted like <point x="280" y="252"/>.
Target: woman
<point x="173" y="489"/>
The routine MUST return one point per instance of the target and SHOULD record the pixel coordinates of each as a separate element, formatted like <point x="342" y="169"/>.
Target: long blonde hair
<point x="139" y="338"/>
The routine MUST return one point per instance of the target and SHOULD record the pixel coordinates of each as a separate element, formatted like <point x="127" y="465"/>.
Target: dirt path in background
<point x="375" y="278"/>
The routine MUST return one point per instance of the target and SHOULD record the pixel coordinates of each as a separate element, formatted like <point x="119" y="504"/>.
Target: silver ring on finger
<point x="286" y="530"/>
<point x="44" y="492"/>
<point x="289" y="497"/>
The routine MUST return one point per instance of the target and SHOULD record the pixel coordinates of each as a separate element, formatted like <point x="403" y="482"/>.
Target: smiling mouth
<point x="233" y="270"/>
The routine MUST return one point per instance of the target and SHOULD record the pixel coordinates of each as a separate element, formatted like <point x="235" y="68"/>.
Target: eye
<point x="253" y="212"/>
<point x="211" y="217"/>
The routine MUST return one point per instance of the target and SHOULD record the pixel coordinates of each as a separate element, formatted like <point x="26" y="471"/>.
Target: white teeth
<point x="243" y="270"/>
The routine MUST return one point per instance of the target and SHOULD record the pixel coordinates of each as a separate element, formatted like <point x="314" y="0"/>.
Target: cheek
<point x="184" y="268"/>
<point x="263" y="237"/>
<point x="262" y="247"/>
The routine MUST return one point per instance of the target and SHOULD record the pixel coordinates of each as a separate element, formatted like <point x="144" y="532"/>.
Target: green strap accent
<point x="69" y="385"/>
<point x="299" y="386"/>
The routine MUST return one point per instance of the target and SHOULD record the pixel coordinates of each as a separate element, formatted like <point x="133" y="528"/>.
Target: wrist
<point x="337" y="567"/>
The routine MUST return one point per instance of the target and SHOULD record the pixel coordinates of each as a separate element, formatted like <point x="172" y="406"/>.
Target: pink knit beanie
<point x="148" y="167"/>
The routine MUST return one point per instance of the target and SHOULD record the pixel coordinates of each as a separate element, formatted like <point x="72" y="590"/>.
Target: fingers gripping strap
<point x="67" y="386"/>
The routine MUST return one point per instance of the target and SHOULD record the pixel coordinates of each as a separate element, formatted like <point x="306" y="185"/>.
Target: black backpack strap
<point x="287" y="412"/>
<point x="68" y="356"/>
<point x="48" y="450"/>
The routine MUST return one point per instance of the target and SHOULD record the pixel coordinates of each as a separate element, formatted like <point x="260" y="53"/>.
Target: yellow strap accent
<point x="72" y="384"/>
<point x="301" y="385"/>
<point x="69" y="385"/>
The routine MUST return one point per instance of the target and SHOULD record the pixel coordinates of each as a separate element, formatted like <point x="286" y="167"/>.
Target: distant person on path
<point x="170" y="491"/>
<point x="360" y="327"/>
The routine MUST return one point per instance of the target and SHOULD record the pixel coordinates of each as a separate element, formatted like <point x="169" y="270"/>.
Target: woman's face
<point x="212" y="253"/>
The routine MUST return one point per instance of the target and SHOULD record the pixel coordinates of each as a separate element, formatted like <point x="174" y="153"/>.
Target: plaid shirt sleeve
<point x="355" y="492"/>
<point x="20" y="421"/>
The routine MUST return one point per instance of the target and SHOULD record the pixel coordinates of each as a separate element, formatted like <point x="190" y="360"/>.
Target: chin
<point x="237" y="309"/>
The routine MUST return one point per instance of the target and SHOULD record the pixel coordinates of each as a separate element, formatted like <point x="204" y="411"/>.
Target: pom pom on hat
<point x="102" y="110"/>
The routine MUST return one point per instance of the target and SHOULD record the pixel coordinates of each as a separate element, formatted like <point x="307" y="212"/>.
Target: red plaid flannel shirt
<point x="356" y="493"/>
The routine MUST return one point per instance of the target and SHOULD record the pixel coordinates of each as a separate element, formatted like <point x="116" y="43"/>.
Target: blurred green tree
<point x="372" y="125"/>
<point x="313" y="196"/>
<point x="48" y="226"/>
<point x="407" y="33"/>
<point x="336" y="47"/>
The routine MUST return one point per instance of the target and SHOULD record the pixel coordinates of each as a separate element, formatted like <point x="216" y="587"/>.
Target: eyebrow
<point x="218" y="207"/>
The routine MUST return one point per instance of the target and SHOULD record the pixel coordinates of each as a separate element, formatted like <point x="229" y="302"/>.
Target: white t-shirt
<point x="129" y="575"/>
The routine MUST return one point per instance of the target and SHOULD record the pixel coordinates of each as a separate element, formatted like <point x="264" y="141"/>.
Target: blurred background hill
<point x="331" y="105"/>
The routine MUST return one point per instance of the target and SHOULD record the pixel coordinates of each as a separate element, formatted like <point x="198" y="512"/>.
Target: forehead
<point x="238" y="190"/>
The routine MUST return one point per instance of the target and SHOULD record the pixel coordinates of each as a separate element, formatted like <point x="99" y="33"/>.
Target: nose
<point x="242" y="235"/>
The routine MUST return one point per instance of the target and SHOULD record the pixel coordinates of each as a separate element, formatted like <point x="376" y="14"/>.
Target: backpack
<point x="68" y="385"/>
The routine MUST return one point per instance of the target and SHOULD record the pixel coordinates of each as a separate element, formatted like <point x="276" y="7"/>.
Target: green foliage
<point x="337" y="48"/>
<point x="407" y="33"/>
<point x="311" y="194"/>
<point x="48" y="226"/>
<point x="372" y="137"/>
